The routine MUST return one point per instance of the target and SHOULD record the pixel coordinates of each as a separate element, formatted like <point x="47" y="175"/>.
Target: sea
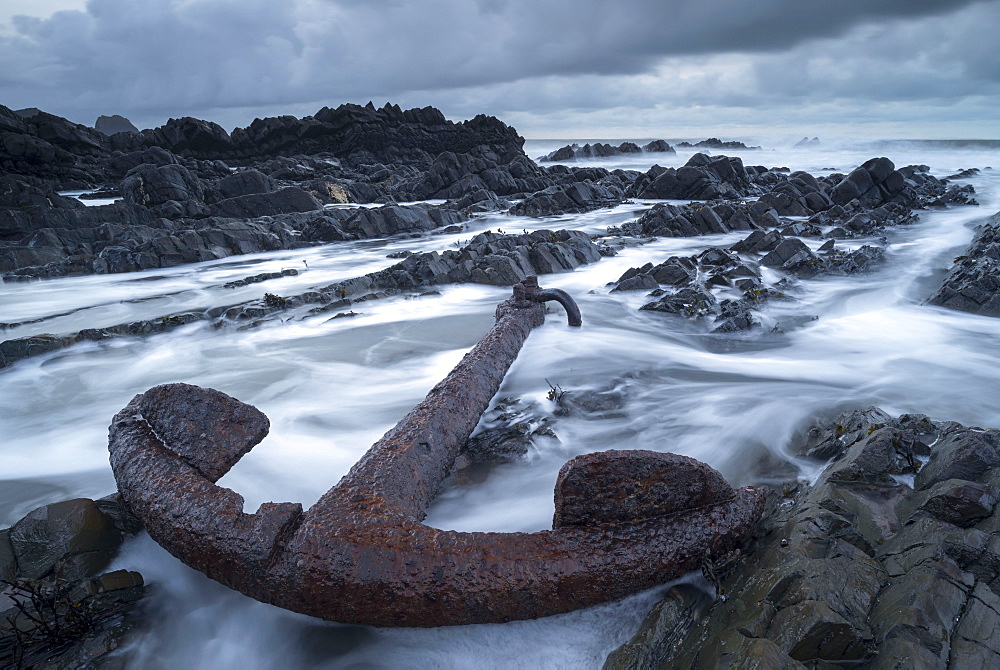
<point x="332" y="387"/>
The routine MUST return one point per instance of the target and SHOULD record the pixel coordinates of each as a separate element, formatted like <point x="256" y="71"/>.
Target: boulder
<point x="74" y="538"/>
<point x="152" y="185"/>
<point x="109" y="125"/>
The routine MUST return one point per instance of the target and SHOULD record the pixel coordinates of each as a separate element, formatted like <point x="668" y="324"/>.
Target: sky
<point x="551" y="68"/>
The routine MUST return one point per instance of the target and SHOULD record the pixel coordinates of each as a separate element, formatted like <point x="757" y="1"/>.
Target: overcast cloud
<point x="556" y="68"/>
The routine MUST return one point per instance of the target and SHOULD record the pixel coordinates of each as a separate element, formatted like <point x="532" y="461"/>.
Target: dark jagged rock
<point x="150" y="185"/>
<point x="715" y="143"/>
<point x="689" y="302"/>
<point x="244" y="182"/>
<point x="572" y="152"/>
<point x="365" y="133"/>
<point x="109" y="125"/>
<point x="858" y="568"/>
<point x="572" y="198"/>
<point x="666" y="220"/>
<point x="658" y="146"/>
<point x="255" y="205"/>
<point x="506" y="434"/>
<point x="701" y="178"/>
<point x="188" y="137"/>
<point x="800" y="194"/>
<point x="787" y="254"/>
<point x="973" y="283"/>
<point x="716" y="268"/>
<point x="59" y="606"/>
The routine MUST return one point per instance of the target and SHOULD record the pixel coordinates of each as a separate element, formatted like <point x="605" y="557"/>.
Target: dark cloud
<point x="235" y="59"/>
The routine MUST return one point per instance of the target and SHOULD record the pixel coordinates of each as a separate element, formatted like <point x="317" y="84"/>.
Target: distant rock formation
<point x="806" y="143"/>
<point x="601" y="150"/>
<point x="109" y="125"/>
<point x="716" y="143"/>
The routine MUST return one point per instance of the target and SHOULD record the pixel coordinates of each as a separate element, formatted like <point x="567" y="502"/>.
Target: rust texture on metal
<point x="625" y="520"/>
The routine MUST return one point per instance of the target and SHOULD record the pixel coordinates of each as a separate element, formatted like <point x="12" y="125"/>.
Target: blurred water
<point x="332" y="387"/>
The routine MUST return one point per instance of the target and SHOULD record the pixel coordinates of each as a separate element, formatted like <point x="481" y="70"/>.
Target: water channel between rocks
<point x="332" y="387"/>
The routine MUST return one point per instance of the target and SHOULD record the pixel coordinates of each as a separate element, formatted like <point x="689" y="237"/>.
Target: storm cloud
<point x="616" y="67"/>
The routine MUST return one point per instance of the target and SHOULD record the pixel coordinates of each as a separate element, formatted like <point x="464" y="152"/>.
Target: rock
<point x="151" y="185"/>
<point x="859" y="569"/>
<point x="701" y="178"/>
<point x="976" y="641"/>
<point x="287" y="200"/>
<point x="572" y="198"/>
<point x="574" y="151"/>
<point x="663" y="627"/>
<point x="109" y="125"/>
<point x="973" y="283"/>
<point x="956" y="501"/>
<point x="74" y="538"/>
<point x="244" y="182"/>
<point x="689" y="302"/>
<point x="189" y="137"/>
<point x="759" y="242"/>
<point x="14" y="350"/>
<point x="8" y="561"/>
<point x="789" y="253"/>
<point x="734" y="316"/>
<point x="643" y="282"/>
<point x="600" y="404"/>
<point x="658" y="146"/>
<point x="58" y="609"/>
<point x="716" y="143"/>
<point x="811" y="631"/>
<point x="960" y="454"/>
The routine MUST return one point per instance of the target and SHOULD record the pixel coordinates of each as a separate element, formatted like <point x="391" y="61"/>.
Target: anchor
<point x="624" y="521"/>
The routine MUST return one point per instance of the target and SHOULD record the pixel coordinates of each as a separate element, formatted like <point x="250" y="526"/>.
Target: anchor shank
<point x="401" y="473"/>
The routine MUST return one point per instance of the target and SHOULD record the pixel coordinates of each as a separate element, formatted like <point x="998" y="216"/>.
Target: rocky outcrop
<point x="60" y="606"/>
<point x="973" y="284"/>
<point x="109" y="125"/>
<point x="46" y="146"/>
<point x="571" y="198"/>
<point x="489" y="258"/>
<point x="572" y="152"/>
<point x="69" y="239"/>
<point x="703" y="177"/>
<point x="666" y="220"/>
<point x="358" y="133"/>
<point x="715" y="143"/>
<point x="703" y="284"/>
<point x="887" y="558"/>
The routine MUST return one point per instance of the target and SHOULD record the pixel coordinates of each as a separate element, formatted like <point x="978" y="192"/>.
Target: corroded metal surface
<point x="625" y="520"/>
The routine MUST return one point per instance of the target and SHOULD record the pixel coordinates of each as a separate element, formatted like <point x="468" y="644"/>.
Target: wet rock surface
<point x="887" y="558"/>
<point x="59" y="605"/>
<point x="973" y="283"/>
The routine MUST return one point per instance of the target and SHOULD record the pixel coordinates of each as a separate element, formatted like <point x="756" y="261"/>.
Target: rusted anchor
<point x="624" y="520"/>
